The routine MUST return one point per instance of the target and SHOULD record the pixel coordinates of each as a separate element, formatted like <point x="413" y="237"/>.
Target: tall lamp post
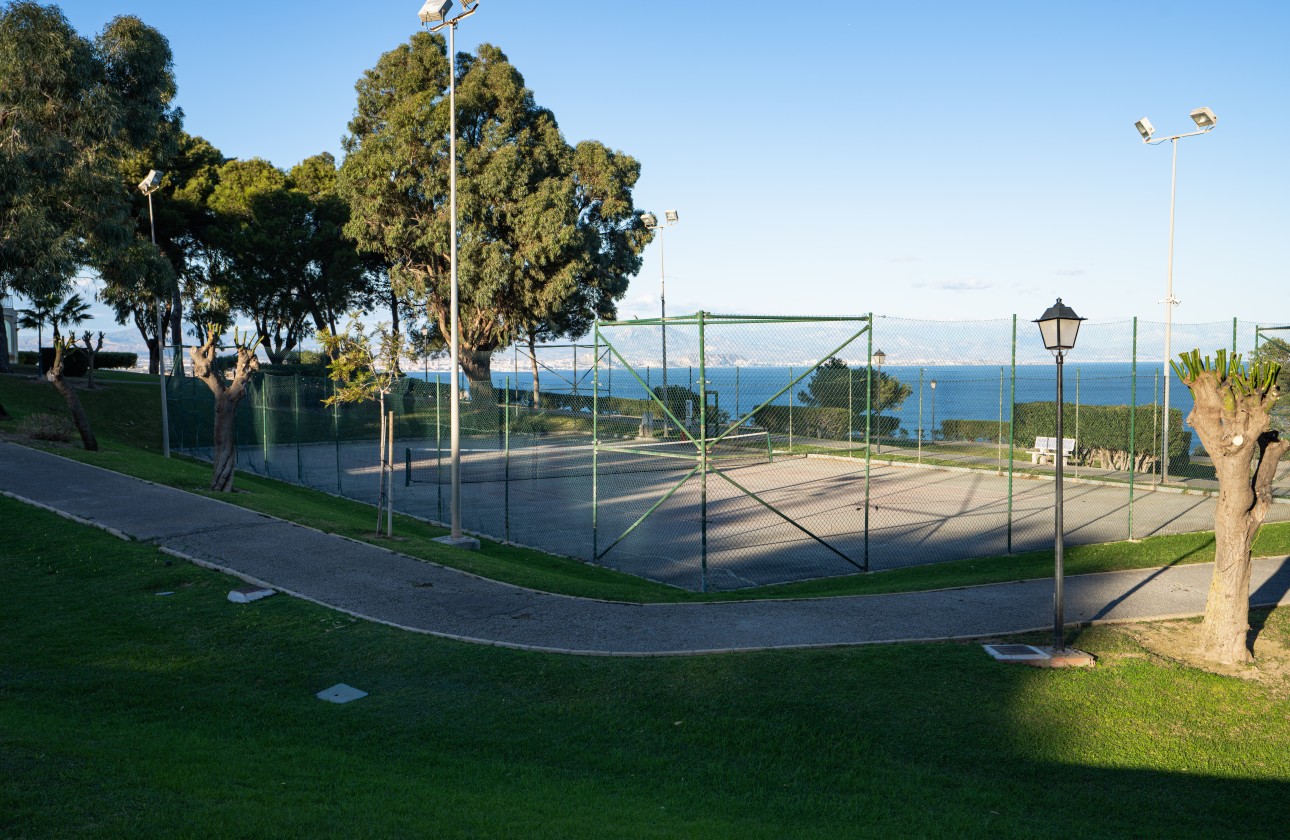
<point x="879" y="357"/>
<point x="651" y="223"/>
<point x="432" y="11"/>
<point x="1058" y="325"/>
<point x="1205" y="122"/>
<point x="148" y="186"/>
<point x="932" y="430"/>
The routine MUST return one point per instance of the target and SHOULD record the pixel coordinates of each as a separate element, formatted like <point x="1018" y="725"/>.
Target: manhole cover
<point x="1014" y="652"/>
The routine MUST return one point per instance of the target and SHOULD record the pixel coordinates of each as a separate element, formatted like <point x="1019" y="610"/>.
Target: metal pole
<point x="1133" y="420"/>
<point x="454" y="396"/>
<point x="1012" y="426"/>
<point x="1170" y="303"/>
<point x="161" y="361"/>
<point x="868" y="423"/>
<point x="1059" y="643"/>
<point x="662" y="307"/>
<point x="703" y="454"/>
<point x="920" y="415"/>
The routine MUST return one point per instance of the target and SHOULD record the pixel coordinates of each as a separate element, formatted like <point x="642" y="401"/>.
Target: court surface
<point x="916" y="515"/>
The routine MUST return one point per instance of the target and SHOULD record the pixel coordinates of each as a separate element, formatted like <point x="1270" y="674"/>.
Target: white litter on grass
<point x="159" y="594"/>
<point x="340" y="693"/>
<point x="247" y="594"/>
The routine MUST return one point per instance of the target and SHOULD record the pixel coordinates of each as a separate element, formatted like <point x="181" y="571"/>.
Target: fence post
<point x="1133" y="420"/>
<point x="703" y="451"/>
<point x="1012" y="428"/>
<point x="790" y="410"/>
<point x="868" y="419"/>
<point x="300" y="469"/>
<point x="264" y="420"/>
<point x="850" y="414"/>
<point x="438" y="443"/>
<point x="595" y="446"/>
<point x="998" y="438"/>
<point x="920" y="415"/>
<point x="1059" y="443"/>
<point x="506" y="463"/>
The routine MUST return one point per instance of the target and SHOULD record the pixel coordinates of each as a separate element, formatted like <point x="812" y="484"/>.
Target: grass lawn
<point x="125" y="713"/>
<point x="126" y="421"/>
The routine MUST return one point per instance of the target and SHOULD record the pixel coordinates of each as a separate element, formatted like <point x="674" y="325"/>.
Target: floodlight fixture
<point x="671" y="216"/>
<point x="434" y="10"/>
<point x="649" y="220"/>
<point x="1204" y="119"/>
<point x="150" y="184"/>
<point x="1145" y="128"/>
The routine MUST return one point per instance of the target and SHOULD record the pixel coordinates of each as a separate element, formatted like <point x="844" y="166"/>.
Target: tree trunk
<point x="1226" y="626"/>
<point x="537" y="396"/>
<point x="224" y="456"/>
<point x="55" y="376"/>
<point x="227" y="395"/>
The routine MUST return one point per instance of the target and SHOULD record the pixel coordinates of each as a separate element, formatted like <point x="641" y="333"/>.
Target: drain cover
<point x="1012" y="653"/>
<point x="340" y="693"/>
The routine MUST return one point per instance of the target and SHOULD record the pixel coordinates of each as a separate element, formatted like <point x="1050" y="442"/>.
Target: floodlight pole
<point x="161" y="344"/>
<point x="1170" y="301"/>
<point x="662" y="287"/>
<point x="454" y="387"/>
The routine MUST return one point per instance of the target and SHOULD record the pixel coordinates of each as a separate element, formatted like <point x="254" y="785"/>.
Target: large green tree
<point x="70" y="110"/>
<point x="139" y="277"/>
<point x="548" y="231"/>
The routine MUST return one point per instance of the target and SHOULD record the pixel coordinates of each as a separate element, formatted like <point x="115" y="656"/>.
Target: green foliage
<point x="364" y="365"/>
<point x="834" y="385"/>
<point x="825" y="423"/>
<point x="1260" y="379"/>
<point x="72" y="111"/>
<point x="978" y="430"/>
<point x="112" y="360"/>
<point x="549" y="234"/>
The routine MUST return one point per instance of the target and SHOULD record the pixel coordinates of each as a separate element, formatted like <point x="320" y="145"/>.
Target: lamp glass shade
<point x="1059" y="326"/>
<point x="880" y="357"/>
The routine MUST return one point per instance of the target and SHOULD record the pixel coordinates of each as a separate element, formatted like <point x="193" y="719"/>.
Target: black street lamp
<point x="879" y="357"/>
<point x="1059" y="325"/>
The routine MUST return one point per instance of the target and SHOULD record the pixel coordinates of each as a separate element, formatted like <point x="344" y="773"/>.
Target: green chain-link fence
<point x="769" y="449"/>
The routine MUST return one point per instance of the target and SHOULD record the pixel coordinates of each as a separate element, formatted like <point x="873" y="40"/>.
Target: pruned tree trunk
<point x="227" y="396"/>
<point x="1231" y="415"/>
<point x="55" y="376"/>
<point x="537" y="394"/>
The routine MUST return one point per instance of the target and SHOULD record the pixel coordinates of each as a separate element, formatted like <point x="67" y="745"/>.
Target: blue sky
<point x="936" y="160"/>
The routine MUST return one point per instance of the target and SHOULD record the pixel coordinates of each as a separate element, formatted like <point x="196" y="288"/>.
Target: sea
<point x="937" y="392"/>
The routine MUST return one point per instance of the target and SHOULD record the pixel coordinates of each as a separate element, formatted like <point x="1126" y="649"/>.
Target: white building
<point x="10" y="328"/>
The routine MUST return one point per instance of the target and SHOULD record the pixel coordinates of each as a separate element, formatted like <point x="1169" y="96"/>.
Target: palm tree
<point x="42" y="310"/>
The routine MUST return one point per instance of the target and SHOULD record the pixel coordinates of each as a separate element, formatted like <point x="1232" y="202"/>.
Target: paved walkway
<point x="383" y="586"/>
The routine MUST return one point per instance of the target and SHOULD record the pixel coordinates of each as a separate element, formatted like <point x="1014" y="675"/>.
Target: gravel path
<point x="381" y="585"/>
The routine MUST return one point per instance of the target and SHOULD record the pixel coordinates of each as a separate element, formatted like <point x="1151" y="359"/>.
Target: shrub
<point x="109" y="360"/>
<point x="52" y="427"/>
<point x="976" y="430"/>
<point x="75" y="362"/>
<point x="28" y="357"/>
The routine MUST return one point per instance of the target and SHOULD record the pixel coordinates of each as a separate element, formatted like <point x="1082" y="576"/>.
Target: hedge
<point x="1103" y="432"/>
<point x="827" y="423"/>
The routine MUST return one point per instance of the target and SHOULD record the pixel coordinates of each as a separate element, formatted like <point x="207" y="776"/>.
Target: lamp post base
<point x="467" y="543"/>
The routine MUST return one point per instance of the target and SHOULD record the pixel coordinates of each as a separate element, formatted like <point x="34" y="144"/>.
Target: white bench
<point x="1045" y="450"/>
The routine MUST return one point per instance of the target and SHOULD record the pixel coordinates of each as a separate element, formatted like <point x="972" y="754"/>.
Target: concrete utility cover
<point x="340" y="693"/>
<point x="247" y="594"/>
<point x="1015" y="653"/>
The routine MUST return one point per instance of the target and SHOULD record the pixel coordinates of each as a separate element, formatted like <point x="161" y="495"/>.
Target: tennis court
<point x="545" y="498"/>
